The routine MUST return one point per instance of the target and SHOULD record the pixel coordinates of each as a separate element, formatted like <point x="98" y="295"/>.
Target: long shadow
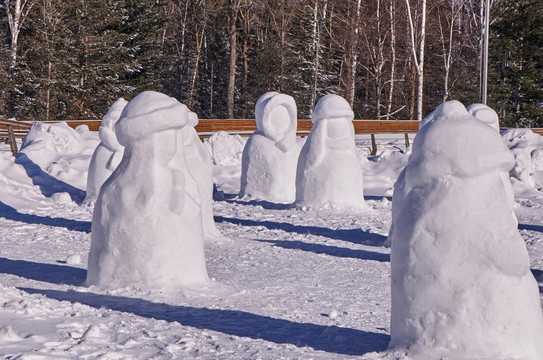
<point x="268" y="205"/>
<point x="10" y="213"/>
<point x="51" y="273"/>
<point x="48" y="184"/>
<point x="330" y="250"/>
<point x="357" y="236"/>
<point x="378" y="198"/>
<point x="331" y="339"/>
<point x="530" y="227"/>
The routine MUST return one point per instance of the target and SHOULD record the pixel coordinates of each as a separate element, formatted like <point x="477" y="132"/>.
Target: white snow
<point x="306" y="284"/>
<point x="270" y="156"/>
<point x="461" y="281"/>
<point x="147" y="224"/>
<point x="108" y="153"/>
<point x="329" y="171"/>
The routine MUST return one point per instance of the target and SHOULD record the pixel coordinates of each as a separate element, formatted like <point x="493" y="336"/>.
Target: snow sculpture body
<point x="270" y="155"/>
<point x="200" y="168"/>
<point x="461" y="281"/>
<point x="147" y="222"/>
<point x="329" y="172"/>
<point x="108" y="153"/>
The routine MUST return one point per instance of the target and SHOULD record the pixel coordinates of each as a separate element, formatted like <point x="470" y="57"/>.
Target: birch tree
<point x="17" y="11"/>
<point x="418" y="59"/>
<point x="351" y="86"/>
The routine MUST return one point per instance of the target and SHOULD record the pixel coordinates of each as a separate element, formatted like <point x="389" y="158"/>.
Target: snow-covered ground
<point x="311" y="284"/>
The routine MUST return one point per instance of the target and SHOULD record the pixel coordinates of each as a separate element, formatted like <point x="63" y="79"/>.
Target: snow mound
<point x="461" y="281"/>
<point x="225" y="149"/>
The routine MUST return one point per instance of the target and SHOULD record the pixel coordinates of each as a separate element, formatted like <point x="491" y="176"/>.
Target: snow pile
<point x="225" y="149"/>
<point x="461" y="281"/>
<point x="527" y="148"/>
<point x="329" y="171"/>
<point x="108" y="154"/>
<point x="271" y="154"/>
<point x="147" y="222"/>
<point x="57" y="158"/>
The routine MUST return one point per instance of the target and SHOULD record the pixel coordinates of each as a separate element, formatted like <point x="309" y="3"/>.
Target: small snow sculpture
<point x="461" y="281"/>
<point x="485" y="114"/>
<point x="329" y="172"/>
<point x="270" y="155"/>
<point x="108" y="153"/>
<point x="147" y="225"/>
<point x="200" y="168"/>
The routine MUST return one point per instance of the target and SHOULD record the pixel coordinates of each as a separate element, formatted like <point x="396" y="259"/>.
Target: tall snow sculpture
<point x="268" y="163"/>
<point x="108" y="153"/>
<point x="461" y="281"/>
<point x="200" y="167"/>
<point x="329" y="172"/>
<point x="147" y="224"/>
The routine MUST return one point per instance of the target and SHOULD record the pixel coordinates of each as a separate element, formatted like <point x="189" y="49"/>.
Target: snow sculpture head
<point x="448" y="109"/>
<point x="147" y="225"/>
<point x="485" y="114"/>
<point x="331" y="107"/>
<point x="276" y="117"/>
<point x="461" y="281"/>
<point x="107" y="129"/>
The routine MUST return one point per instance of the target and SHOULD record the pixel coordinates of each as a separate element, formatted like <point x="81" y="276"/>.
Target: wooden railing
<point x="11" y="129"/>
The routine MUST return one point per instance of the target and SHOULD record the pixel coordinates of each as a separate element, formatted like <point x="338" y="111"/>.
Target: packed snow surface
<point x="306" y="284"/>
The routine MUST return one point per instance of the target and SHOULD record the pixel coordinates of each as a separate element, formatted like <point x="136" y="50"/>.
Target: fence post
<point x="373" y="145"/>
<point x="11" y="139"/>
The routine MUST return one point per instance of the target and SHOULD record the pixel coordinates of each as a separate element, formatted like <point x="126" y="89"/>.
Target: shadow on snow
<point x="357" y="236"/>
<point x="51" y="273"/>
<point x="331" y="339"/>
<point x="48" y="184"/>
<point x="330" y="250"/>
<point x="10" y="213"/>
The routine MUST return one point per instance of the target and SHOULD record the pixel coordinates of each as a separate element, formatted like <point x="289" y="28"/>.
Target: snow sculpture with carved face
<point x="270" y="155"/>
<point x="147" y="223"/>
<point x="329" y="172"/>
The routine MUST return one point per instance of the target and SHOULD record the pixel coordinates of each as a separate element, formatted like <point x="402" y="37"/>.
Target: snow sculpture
<point x="108" y="153"/>
<point x="270" y="155"/>
<point x="147" y="221"/>
<point x="461" y="281"/>
<point x="485" y="114"/>
<point x="329" y="172"/>
<point x="200" y="168"/>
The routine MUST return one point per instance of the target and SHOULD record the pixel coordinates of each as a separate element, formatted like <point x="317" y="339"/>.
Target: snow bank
<point x="329" y="171"/>
<point x="461" y="281"/>
<point x="270" y="156"/>
<point x="57" y="157"/>
<point x="147" y="222"/>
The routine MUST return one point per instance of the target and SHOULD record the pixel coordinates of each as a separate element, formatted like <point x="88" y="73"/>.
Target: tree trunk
<point x="16" y="12"/>
<point x="234" y="5"/>
<point x="392" y="60"/>
<point x="354" y="54"/>
<point x="419" y="61"/>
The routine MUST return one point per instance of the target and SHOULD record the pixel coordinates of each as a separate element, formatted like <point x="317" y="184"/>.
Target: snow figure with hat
<point x="329" y="172"/>
<point x="108" y="153"/>
<point x="461" y="281"/>
<point x="268" y="162"/>
<point x="147" y="225"/>
<point x="200" y="167"/>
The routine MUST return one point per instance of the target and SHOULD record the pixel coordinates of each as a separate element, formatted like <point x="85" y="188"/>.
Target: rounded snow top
<point x="193" y="119"/>
<point x="276" y="115"/>
<point x="485" y="114"/>
<point x="456" y="145"/>
<point x="452" y="108"/>
<point x="150" y="112"/>
<point x="114" y="113"/>
<point x="330" y="107"/>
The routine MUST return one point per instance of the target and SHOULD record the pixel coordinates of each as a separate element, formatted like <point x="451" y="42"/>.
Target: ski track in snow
<point x="301" y="284"/>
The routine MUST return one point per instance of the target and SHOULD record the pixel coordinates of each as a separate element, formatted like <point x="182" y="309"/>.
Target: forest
<point x="391" y="59"/>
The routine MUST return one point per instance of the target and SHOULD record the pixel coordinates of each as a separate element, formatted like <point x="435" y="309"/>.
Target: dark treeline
<point x="391" y="59"/>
